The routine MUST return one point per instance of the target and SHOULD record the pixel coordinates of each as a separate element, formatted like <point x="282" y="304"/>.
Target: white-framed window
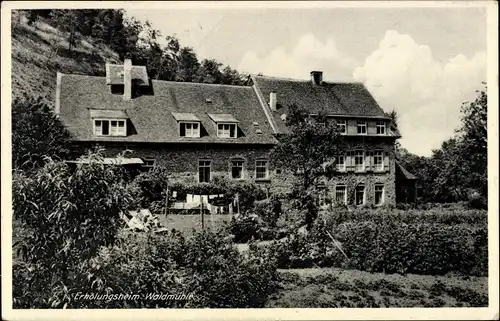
<point x="226" y="130"/>
<point x="340" y="163"/>
<point x="261" y="169"/>
<point x="204" y="171"/>
<point x="362" y="127"/>
<point x="381" y="128"/>
<point x="378" y="161"/>
<point x="379" y="194"/>
<point x="237" y="169"/>
<point x="189" y="129"/>
<point x="108" y="127"/>
<point x="359" y="160"/>
<point x="342" y="124"/>
<point x="341" y="194"/>
<point x="359" y="195"/>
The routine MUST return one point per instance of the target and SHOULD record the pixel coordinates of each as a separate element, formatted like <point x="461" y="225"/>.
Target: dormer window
<point x="109" y="122"/>
<point x="362" y="127"/>
<point x="189" y="129"/>
<point x="380" y="128"/>
<point x="342" y="125"/>
<point x="106" y="127"/>
<point x="226" y="125"/>
<point x="226" y="130"/>
<point x="189" y="124"/>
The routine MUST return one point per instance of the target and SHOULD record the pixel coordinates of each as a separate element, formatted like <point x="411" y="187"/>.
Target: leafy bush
<point x="152" y="186"/>
<point x="398" y="244"/>
<point x="246" y="227"/>
<point x="36" y="133"/>
<point x="66" y="216"/>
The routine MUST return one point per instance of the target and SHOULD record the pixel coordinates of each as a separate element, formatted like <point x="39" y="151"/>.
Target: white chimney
<point x="272" y="101"/>
<point x="127" y="79"/>
<point x="316" y="78"/>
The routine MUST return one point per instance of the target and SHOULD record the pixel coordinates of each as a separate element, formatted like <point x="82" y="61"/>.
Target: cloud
<point x="426" y="93"/>
<point x="308" y="54"/>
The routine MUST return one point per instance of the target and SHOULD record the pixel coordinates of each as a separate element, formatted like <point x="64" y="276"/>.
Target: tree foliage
<point x="457" y="170"/>
<point x="307" y="151"/>
<point x="36" y="132"/>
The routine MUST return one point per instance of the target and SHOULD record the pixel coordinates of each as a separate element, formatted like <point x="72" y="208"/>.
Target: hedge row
<point x="452" y="216"/>
<point x="388" y="246"/>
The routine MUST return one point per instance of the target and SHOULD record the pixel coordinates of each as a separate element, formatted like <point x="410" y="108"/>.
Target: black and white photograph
<point x="236" y="155"/>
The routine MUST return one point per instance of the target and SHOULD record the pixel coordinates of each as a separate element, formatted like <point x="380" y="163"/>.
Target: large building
<point x="200" y="131"/>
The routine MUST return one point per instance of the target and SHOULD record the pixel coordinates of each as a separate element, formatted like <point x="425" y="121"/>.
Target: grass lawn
<point x="337" y="288"/>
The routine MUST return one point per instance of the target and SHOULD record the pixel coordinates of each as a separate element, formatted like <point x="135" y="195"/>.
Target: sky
<point x="421" y="62"/>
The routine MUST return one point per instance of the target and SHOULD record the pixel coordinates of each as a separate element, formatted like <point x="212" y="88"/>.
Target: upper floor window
<point x="380" y="128"/>
<point x="189" y="129"/>
<point x="378" y="160"/>
<point x="359" y="160"/>
<point x="237" y="169"/>
<point x="261" y="169"/>
<point x="341" y="194"/>
<point x="106" y="127"/>
<point x="226" y="130"/>
<point x="204" y="171"/>
<point x="362" y="127"/>
<point x="342" y="125"/>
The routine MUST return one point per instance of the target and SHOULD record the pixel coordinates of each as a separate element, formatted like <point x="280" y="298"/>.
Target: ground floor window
<point x="341" y="194"/>
<point x="359" y="196"/>
<point x="237" y="169"/>
<point x="204" y="171"/>
<point x="261" y="169"/>
<point x="379" y="194"/>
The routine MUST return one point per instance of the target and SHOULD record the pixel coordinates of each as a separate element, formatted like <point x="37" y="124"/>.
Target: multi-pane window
<point x="261" y="169"/>
<point x="340" y="163"/>
<point x="378" y="160"/>
<point x="362" y="127"/>
<point x="342" y="124"/>
<point x="359" y="195"/>
<point x="103" y="127"/>
<point x="237" y="169"/>
<point x="341" y="194"/>
<point x="204" y="171"/>
<point x="226" y="130"/>
<point x="189" y="130"/>
<point x="359" y="160"/>
<point x="380" y="128"/>
<point x="379" y="194"/>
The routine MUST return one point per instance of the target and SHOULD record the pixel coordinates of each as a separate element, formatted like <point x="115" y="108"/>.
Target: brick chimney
<point x="127" y="79"/>
<point x="316" y="78"/>
<point x="272" y="101"/>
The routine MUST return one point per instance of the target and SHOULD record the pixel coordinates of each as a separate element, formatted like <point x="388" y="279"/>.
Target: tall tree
<point x="308" y="150"/>
<point x="187" y="65"/>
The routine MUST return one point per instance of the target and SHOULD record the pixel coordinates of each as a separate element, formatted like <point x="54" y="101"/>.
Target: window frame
<point x="193" y="133"/>
<point x="343" y="125"/>
<point x="344" y="201"/>
<point x="375" y="194"/>
<point x="363" y="155"/>
<point x="111" y="133"/>
<point x="344" y="167"/>
<point x="200" y="166"/>
<point x="235" y="126"/>
<point x="362" y="124"/>
<point x="257" y="166"/>
<point x="356" y="195"/>
<point x="381" y="125"/>
<point x="232" y="162"/>
<point x="382" y="165"/>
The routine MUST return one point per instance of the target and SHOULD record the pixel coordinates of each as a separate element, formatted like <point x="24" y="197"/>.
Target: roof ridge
<point x="306" y="80"/>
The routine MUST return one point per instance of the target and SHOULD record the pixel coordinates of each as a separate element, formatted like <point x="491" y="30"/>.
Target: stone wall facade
<point x="182" y="163"/>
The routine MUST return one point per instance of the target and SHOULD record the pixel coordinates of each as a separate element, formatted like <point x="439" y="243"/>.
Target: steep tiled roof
<point x="404" y="172"/>
<point x="342" y="99"/>
<point x="151" y="116"/>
